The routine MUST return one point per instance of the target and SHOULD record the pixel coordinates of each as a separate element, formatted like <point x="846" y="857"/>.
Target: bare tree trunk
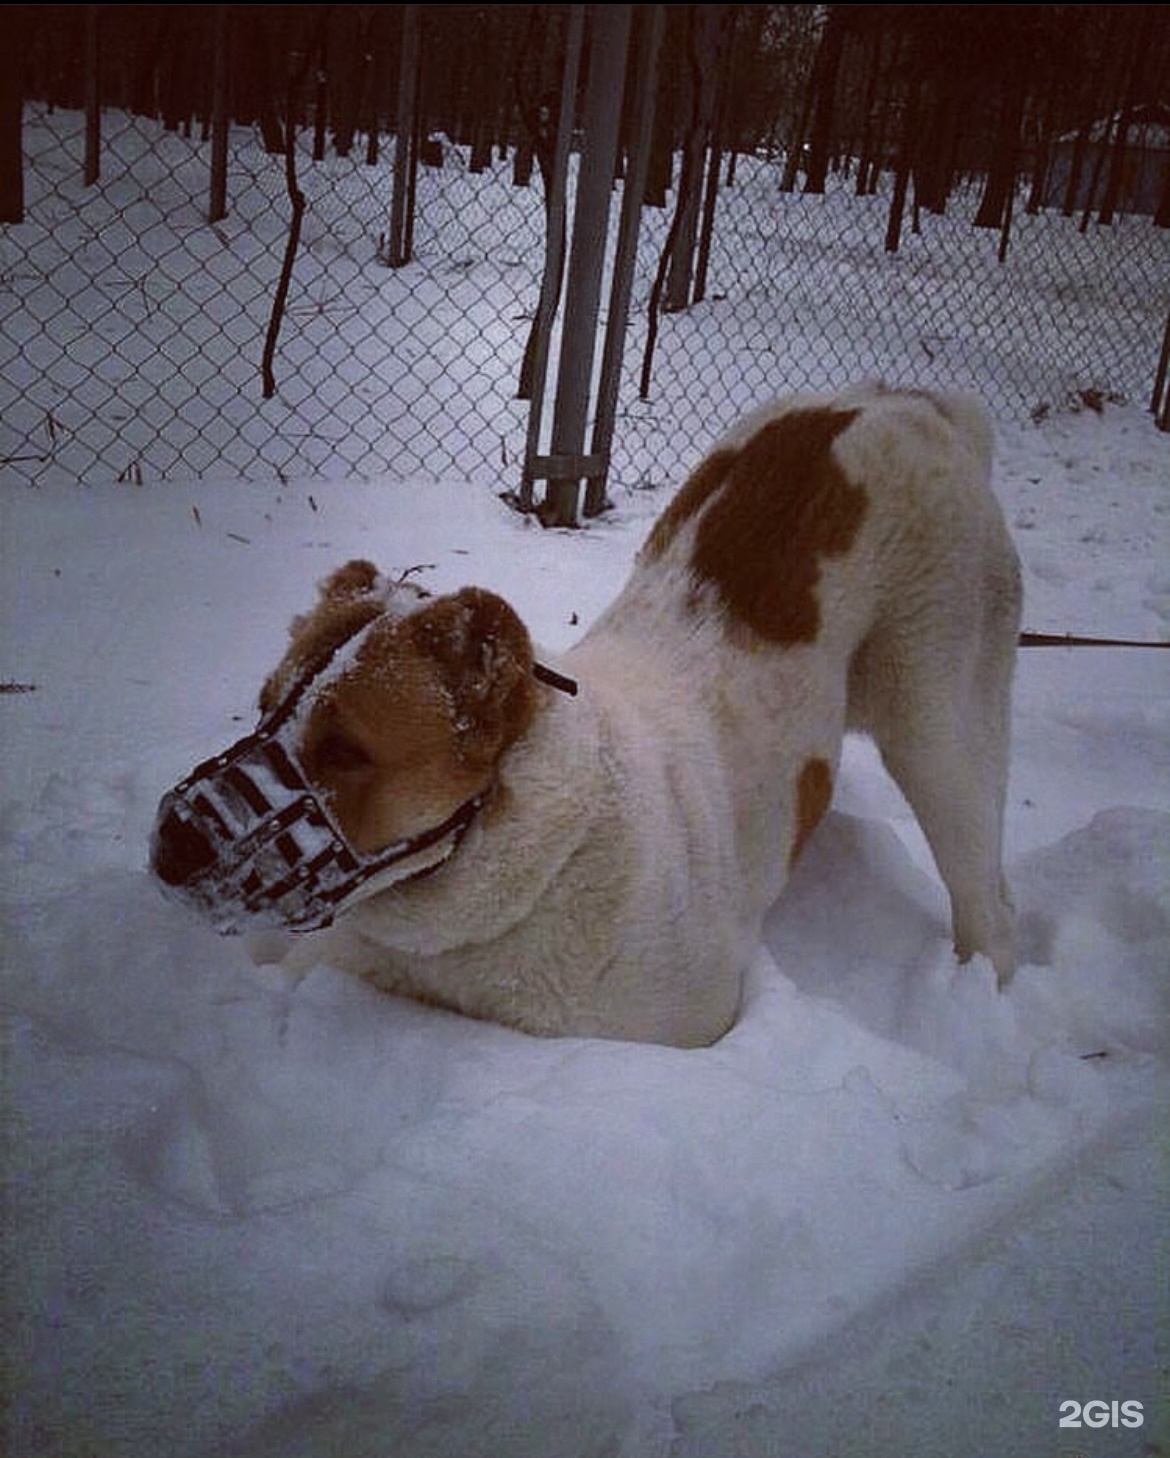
<point x="703" y="51"/>
<point x="341" y="136"/>
<point x="543" y="120"/>
<point x="825" y="73"/>
<point x="1043" y="159"/>
<point x="93" y="108"/>
<point x="314" y="46"/>
<point x="255" y="100"/>
<point x="661" y="172"/>
<point x="745" y="43"/>
<point x="935" y="155"/>
<point x="1162" y="216"/>
<point x="217" y="204"/>
<point x="796" y="140"/>
<point x="867" y="161"/>
<point x="371" y="115"/>
<point x="11" y="107"/>
<point x="1076" y="170"/>
<point x="722" y="62"/>
<point x="1142" y="45"/>
<point x="482" y="117"/>
<point x="347" y="92"/>
<point x="1001" y="174"/>
<point x="905" y="163"/>
<point x="398" y="249"/>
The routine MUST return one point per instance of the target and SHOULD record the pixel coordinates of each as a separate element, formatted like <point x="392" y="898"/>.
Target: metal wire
<point x="132" y="329"/>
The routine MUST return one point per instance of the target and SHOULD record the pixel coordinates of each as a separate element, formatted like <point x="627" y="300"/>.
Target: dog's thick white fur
<point x="837" y="562"/>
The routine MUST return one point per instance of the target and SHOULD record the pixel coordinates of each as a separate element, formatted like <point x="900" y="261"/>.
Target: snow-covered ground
<point x="891" y="1213"/>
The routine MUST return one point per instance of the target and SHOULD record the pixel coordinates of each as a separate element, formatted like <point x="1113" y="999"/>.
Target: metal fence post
<point x="534" y="371"/>
<point x="568" y="464"/>
<point x="652" y="20"/>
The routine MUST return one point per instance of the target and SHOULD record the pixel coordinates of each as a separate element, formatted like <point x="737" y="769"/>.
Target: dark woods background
<point x="1062" y="96"/>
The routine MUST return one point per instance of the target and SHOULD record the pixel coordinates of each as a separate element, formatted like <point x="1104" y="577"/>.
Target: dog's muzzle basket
<point x="246" y="840"/>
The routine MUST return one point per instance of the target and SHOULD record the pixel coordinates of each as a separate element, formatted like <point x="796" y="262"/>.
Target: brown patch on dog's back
<point x="773" y="510"/>
<point x="814" y="793"/>
<point x="708" y="476"/>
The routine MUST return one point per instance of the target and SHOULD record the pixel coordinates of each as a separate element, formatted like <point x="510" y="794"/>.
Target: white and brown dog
<point x="600" y="864"/>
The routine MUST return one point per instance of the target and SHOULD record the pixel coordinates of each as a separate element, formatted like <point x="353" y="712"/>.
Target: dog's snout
<point x="180" y="850"/>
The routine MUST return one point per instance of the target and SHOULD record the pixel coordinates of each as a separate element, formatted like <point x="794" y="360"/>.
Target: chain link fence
<point x="132" y="329"/>
<point x="802" y="294"/>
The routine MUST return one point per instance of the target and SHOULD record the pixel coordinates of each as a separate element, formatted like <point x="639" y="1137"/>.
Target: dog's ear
<point x="355" y="579"/>
<point x="336" y="595"/>
<point x="484" y="656"/>
<point x="345" y="602"/>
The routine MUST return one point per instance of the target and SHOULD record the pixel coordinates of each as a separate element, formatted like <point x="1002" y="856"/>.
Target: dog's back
<point x="852" y="548"/>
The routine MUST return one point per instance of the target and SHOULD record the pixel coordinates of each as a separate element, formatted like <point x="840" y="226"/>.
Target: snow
<point x="891" y="1212"/>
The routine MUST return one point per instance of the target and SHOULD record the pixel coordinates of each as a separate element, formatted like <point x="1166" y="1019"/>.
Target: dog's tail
<point x="964" y="412"/>
<point x="972" y="422"/>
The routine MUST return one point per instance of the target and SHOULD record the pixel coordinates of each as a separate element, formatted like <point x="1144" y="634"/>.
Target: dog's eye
<point x="340" y="755"/>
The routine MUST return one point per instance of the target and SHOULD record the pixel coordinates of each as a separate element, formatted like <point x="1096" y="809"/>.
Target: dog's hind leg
<point x="941" y="720"/>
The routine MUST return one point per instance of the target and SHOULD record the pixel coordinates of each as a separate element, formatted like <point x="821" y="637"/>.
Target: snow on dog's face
<point x="408" y="723"/>
<point x="379" y="737"/>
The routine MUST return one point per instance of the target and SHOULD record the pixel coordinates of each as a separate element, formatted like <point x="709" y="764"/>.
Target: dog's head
<point x="378" y="742"/>
<point x="410" y="702"/>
